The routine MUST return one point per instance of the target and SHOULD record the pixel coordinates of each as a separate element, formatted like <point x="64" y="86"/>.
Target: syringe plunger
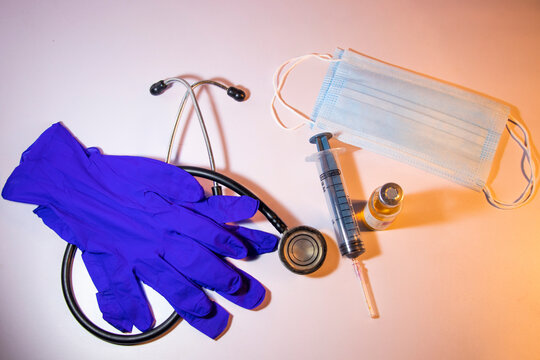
<point x="337" y="199"/>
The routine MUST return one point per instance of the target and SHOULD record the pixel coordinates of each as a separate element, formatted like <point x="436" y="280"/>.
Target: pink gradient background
<point x="453" y="278"/>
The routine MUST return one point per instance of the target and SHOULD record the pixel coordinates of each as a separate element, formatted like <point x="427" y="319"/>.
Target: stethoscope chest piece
<point x="302" y="249"/>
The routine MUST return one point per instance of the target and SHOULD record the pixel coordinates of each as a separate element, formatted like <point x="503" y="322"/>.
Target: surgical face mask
<point x="434" y="126"/>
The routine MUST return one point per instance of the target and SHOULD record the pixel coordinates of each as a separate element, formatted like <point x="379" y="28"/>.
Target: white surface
<point x="453" y="278"/>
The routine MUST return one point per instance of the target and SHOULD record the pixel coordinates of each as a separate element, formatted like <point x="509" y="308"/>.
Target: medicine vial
<point x="383" y="206"/>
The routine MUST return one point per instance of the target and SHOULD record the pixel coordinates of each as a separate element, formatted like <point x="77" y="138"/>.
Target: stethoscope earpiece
<point x="158" y="88"/>
<point x="237" y="94"/>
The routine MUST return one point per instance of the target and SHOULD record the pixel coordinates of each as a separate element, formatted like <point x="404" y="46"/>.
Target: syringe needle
<point x="343" y="217"/>
<point x="359" y="270"/>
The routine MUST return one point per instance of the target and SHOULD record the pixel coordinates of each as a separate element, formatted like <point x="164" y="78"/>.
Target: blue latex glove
<point x="135" y="219"/>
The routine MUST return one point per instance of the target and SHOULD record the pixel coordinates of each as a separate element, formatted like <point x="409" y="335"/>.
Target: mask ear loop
<point x="279" y="82"/>
<point x="529" y="191"/>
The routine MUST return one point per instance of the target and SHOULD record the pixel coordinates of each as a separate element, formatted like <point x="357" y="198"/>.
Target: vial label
<point x="373" y="222"/>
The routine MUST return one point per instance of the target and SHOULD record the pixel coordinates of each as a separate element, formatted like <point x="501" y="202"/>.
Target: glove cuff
<point x="54" y="153"/>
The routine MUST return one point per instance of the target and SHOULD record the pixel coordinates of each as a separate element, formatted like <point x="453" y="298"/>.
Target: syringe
<point x="340" y="207"/>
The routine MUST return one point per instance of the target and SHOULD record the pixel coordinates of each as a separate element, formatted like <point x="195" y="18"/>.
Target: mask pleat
<point x="411" y="118"/>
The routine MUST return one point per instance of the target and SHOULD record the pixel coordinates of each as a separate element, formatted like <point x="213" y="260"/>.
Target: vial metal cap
<point x="391" y="194"/>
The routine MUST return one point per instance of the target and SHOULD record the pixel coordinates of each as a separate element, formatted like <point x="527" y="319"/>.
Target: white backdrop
<point x="453" y="278"/>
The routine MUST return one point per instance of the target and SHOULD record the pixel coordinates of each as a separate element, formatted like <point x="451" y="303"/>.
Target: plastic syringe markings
<point x="341" y="202"/>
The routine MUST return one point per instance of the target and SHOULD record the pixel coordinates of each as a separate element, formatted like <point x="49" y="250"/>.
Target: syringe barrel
<point x="338" y="202"/>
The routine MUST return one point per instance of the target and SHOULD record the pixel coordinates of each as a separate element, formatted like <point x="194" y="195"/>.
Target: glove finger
<point x="120" y="296"/>
<point x="165" y="179"/>
<point x="224" y="209"/>
<point x="204" y="230"/>
<point x="211" y="325"/>
<point x="182" y="294"/>
<point x="250" y="295"/>
<point x="201" y="265"/>
<point x="257" y="241"/>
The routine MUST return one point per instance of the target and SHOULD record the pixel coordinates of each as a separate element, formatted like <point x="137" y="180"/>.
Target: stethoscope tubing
<point x="174" y="318"/>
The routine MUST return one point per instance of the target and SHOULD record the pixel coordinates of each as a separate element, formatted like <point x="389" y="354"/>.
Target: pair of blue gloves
<point x="137" y="219"/>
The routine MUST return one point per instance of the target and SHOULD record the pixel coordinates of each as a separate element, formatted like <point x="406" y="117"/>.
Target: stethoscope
<point x="302" y="249"/>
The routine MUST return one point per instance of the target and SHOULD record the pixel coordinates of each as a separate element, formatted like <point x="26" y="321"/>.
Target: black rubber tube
<point x="167" y="325"/>
<point x="275" y="220"/>
<point x="79" y="315"/>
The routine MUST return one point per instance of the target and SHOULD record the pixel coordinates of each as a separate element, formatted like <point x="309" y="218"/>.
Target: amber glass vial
<point x="383" y="206"/>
